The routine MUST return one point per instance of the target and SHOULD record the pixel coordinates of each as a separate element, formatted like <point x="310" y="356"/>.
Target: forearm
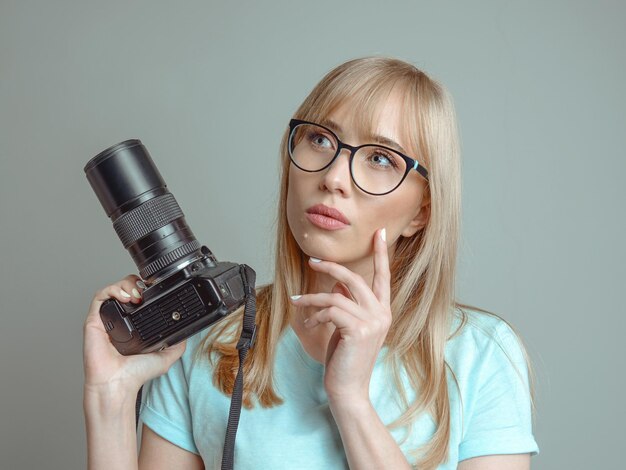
<point x="111" y="431"/>
<point x="367" y="442"/>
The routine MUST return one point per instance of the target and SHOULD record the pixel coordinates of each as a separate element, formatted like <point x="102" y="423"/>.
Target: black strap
<point x="138" y="406"/>
<point x="246" y="340"/>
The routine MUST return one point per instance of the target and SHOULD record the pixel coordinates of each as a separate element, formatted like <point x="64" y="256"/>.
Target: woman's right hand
<point x="105" y="368"/>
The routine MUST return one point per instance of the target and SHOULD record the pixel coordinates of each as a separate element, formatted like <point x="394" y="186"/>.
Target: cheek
<point x="395" y="214"/>
<point x="294" y="208"/>
<point x="291" y="205"/>
<point x="299" y="189"/>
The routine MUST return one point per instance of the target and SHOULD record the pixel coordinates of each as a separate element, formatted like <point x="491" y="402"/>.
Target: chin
<point x="314" y="248"/>
<point x="327" y="252"/>
<point x="327" y="246"/>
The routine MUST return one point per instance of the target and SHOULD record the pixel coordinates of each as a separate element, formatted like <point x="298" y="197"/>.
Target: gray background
<point x="209" y="88"/>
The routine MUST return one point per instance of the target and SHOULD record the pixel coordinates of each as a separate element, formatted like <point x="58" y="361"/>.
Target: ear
<point x="420" y="220"/>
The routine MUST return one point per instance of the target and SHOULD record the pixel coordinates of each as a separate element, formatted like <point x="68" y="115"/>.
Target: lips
<point x="321" y="209"/>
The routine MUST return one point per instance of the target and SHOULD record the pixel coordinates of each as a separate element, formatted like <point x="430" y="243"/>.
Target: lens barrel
<point x="145" y="215"/>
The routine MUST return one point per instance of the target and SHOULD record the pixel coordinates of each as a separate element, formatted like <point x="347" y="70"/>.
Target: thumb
<point x="175" y="351"/>
<point x="170" y="355"/>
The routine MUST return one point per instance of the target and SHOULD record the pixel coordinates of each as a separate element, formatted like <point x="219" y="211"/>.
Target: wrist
<point x="108" y="399"/>
<point x="110" y="427"/>
<point x="350" y="407"/>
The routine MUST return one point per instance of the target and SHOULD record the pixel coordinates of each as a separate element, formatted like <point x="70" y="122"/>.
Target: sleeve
<point x="165" y="407"/>
<point x="499" y="417"/>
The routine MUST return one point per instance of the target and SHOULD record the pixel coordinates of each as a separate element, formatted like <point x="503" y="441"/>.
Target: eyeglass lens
<point x="374" y="169"/>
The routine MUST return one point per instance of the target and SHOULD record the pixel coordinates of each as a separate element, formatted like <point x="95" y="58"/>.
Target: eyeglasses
<point x="375" y="169"/>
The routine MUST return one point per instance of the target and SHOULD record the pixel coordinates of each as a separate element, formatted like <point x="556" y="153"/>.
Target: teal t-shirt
<point x="492" y="415"/>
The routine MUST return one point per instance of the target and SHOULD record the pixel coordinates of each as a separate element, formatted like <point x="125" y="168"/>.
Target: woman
<point x="363" y="359"/>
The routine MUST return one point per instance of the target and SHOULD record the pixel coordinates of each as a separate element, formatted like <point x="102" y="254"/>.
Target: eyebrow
<point x="376" y="138"/>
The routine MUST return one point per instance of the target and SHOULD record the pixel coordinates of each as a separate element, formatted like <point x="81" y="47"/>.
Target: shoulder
<point x="222" y="331"/>
<point x="471" y="327"/>
<point x="195" y="351"/>
<point x="492" y="393"/>
<point x="480" y="340"/>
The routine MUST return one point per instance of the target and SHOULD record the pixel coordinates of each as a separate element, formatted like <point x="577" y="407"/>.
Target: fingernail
<point x="295" y="297"/>
<point x="124" y="294"/>
<point x="315" y="260"/>
<point x="136" y="293"/>
<point x="383" y="234"/>
<point x="140" y="284"/>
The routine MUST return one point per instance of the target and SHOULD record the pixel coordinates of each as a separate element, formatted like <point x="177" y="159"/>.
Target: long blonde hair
<point x="423" y="266"/>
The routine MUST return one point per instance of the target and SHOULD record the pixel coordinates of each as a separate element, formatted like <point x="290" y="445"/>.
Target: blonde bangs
<point x="364" y="88"/>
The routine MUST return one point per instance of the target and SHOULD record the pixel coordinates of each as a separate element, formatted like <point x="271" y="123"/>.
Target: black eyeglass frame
<point x="411" y="163"/>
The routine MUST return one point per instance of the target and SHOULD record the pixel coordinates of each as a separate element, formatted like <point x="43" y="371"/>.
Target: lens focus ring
<point x="146" y="218"/>
<point x="169" y="258"/>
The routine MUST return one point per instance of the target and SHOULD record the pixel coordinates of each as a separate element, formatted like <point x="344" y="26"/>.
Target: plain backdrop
<point x="209" y="87"/>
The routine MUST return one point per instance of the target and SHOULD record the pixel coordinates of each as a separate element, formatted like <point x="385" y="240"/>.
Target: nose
<point x="336" y="178"/>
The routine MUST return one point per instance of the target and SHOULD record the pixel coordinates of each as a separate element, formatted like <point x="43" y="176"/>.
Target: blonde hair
<point x="423" y="266"/>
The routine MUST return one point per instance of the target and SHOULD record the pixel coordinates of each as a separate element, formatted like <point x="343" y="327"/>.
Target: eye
<point x="379" y="159"/>
<point x="319" y="140"/>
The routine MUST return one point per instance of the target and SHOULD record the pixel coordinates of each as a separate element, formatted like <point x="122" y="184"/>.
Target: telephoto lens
<point x="145" y="215"/>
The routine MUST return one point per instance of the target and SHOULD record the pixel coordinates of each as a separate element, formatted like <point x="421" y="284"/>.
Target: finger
<point x="129" y="284"/>
<point x="323" y="300"/>
<point x="115" y="291"/>
<point x="381" y="284"/>
<point x="360" y="291"/>
<point x="340" y="318"/>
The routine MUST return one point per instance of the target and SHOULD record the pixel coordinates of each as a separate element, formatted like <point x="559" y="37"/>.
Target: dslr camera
<point x="187" y="289"/>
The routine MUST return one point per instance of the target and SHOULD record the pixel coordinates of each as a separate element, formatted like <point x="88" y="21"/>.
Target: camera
<point x="187" y="289"/>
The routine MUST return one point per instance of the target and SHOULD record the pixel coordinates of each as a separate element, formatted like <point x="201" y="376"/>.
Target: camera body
<point x="187" y="288"/>
<point x="175" y="308"/>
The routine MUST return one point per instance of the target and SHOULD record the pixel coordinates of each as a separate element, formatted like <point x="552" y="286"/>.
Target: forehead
<point x="377" y="121"/>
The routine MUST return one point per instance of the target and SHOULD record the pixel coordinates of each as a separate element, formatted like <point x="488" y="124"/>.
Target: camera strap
<point x="246" y="340"/>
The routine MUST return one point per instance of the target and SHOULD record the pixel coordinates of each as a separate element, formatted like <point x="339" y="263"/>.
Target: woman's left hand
<point x="361" y="323"/>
